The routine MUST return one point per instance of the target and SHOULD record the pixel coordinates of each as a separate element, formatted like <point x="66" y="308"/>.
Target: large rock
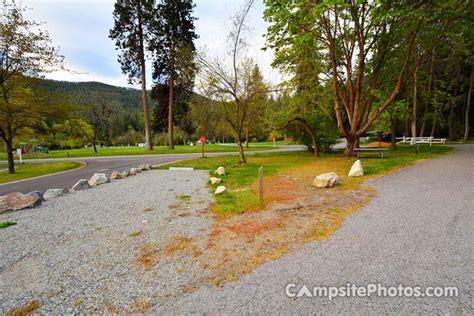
<point x="17" y="201"/>
<point x="326" y="180"/>
<point x="116" y="175"/>
<point x="126" y="173"/>
<point x="98" y="179"/>
<point x="356" y="170"/>
<point x="4" y="207"/>
<point x="215" y="180"/>
<point x="220" y="171"/>
<point x="81" y="185"/>
<point x="220" y="189"/>
<point x="54" y="193"/>
<point x="144" y="167"/>
<point x="134" y="171"/>
<point x="40" y="197"/>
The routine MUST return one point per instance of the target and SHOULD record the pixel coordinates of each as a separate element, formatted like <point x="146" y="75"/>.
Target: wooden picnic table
<point x="371" y="149"/>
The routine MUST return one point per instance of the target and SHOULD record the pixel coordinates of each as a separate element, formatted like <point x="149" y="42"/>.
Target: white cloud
<point x="81" y="28"/>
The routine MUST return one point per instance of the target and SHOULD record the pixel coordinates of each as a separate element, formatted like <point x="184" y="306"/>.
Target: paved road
<point x="418" y="232"/>
<point x="106" y="165"/>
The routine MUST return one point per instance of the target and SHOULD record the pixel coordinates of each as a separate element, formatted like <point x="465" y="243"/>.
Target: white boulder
<point x="54" y="193"/>
<point x="144" y="167"/>
<point x="134" y="171"/>
<point x="81" y="185"/>
<point x="98" y="179"/>
<point x="116" y="175"/>
<point x="326" y="180"/>
<point x="220" y="189"/>
<point x="356" y="170"/>
<point x="126" y="173"/>
<point x="220" y="171"/>
<point x="215" y="180"/>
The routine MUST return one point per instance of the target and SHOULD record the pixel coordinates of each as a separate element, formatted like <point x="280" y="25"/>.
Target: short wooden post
<point x="260" y="178"/>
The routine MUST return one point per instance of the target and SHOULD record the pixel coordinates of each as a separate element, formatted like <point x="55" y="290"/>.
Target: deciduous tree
<point x="25" y="52"/>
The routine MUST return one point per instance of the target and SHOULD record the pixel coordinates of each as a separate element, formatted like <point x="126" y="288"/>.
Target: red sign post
<point x="203" y="142"/>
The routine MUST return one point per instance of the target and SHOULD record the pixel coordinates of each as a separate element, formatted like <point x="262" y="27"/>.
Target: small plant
<point x="147" y="209"/>
<point x="185" y="197"/>
<point x="6" y="224"/>
<point x="77" y="302"/>
<point x="179" y="270"/>
<point x="232" y="278"/>
<point x="337" y="210"/>
<point x="135" y="234"/>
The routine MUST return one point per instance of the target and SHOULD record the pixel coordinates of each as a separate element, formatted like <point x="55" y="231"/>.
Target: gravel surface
<point x="418" y="232"/>
<point x="79" y="253"/>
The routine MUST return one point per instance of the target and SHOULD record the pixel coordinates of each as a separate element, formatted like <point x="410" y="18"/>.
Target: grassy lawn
<point x="277" y="143"/>
<point x="26" y="171"/>
<point x="240" y="179"/>
<point x="124" y="151"/>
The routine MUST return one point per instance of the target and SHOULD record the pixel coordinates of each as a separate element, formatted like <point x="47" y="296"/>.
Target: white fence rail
<point x="421" y="140"/>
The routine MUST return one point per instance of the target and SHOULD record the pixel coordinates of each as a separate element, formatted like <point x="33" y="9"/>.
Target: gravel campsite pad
<point x="96" y="250"/>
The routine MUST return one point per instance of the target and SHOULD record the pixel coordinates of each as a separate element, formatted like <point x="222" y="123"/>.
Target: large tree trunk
<point x="146" y="117"/>
<point x="433" y="129"/>
<point x="170" y="113"/>
<point x="350" y="145"/>
<point x="94" y="146"/>
<point x="451" y="132"/>
<point x="393" y="131"/>
<point x="452" y="110"/>
<point x="241" y="149"/>
<point x="247" y="137"/>
<point x="430" y="80"/>
<point x="468" y="105"/>
<point x="415" y="99"/>
<point x="11" y="160"/>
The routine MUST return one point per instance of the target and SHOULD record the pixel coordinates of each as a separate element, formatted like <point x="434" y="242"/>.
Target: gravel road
<point x="81" y="252"/>
<point x="418" y="232"/>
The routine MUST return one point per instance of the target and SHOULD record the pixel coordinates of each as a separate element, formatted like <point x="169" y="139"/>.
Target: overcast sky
<point x="81" y="27"/>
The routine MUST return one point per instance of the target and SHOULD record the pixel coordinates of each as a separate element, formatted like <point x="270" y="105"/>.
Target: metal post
<point x="260" y="177"/>
<point x="202" y="144"/>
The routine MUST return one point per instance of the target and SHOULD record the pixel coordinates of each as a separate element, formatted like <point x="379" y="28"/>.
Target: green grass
<point x="127" y="151"/>
<point x="277" y="143"/>
<point x="6" y="224"/>
<point x="239" y="177"/>
<point x="135" y="234"/>
<point x="31" y="170"/>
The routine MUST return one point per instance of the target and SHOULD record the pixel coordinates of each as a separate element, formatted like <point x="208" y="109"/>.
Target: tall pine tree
<point x="173" y="50"/>
<point x="132" y="20"/>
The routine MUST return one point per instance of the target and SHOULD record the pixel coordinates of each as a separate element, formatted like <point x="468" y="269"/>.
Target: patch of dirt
<point x="295" y="213"/>
<point x="148" y="256"/>
<point x="180" y="245"/>
<point x="378" y="144"/>
<point x="25" y="310"/>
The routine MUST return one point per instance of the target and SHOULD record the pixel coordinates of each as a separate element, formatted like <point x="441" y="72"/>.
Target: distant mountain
<point x="128" y="98"/>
